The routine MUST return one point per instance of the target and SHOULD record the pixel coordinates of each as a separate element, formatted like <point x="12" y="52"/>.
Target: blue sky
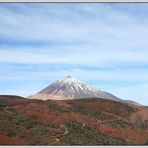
<point x="104" y="44"/>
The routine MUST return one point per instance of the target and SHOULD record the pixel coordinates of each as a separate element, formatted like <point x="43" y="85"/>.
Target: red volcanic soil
<point x="140" y="116"/>
<point x="31" y="107"/>
<point x="11" y="100"/>
<point x="60" y="118"/>
<point x="135" y="135"/>
<point x="109" y="130"/>
<point x="5" y="140"/>
<point x="66" y="117"/>
<point x="98" y="105"/>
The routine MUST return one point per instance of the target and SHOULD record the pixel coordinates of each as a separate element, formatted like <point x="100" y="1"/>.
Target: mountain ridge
<point x="71" y="88"/>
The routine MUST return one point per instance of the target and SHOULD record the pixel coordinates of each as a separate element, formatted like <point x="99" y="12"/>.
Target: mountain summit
<point x="71" y="88"/>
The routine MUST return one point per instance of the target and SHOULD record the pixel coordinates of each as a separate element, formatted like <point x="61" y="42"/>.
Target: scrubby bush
<point x="11" y="133"/>
<point x="80" y="135"/>
<point x="2" y="106"/>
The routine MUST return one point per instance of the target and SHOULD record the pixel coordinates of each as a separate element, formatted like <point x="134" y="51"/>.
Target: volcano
<point x="71" y="88"/>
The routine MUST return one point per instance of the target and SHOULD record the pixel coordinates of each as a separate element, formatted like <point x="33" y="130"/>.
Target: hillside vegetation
<point x="71" y="122"/>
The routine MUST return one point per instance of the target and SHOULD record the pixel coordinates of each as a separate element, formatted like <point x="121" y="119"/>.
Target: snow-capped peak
<point x="73" y="82"/>
<point x="72" y="88"/>
<point x="69" y="79"/>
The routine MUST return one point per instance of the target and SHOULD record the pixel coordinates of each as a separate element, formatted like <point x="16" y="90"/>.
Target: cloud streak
<point x="97" y="43"/>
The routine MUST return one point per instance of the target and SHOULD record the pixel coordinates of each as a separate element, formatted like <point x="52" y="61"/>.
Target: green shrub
<point x="2" y="106"/>
<point x="11" y="133"/>
<point x="85" y="135"/>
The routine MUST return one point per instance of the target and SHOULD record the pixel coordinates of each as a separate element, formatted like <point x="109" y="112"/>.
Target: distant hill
<point x="11" y="97"/>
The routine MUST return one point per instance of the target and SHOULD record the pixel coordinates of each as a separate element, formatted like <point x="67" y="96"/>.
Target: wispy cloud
<point x="97" y="43"/>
